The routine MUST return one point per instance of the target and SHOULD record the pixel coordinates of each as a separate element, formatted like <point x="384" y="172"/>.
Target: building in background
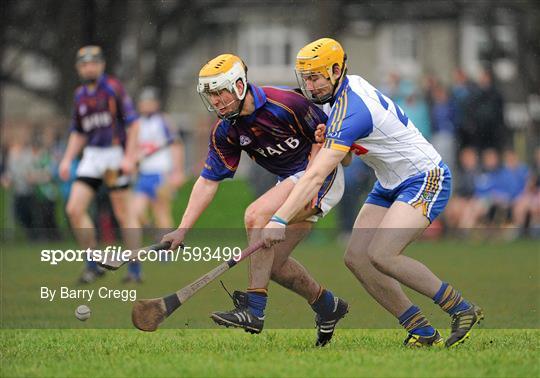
<point x="167" y="42"/>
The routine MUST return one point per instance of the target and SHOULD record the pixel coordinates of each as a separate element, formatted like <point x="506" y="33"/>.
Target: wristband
<point x="279" y="220"/>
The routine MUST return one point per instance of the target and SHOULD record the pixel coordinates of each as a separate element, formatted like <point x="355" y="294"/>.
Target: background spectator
<point x="442" y="116"/>
<point x="45" y="188"/>
<point x="462" y="93"/>
<point x="487" y="109"/>
<point x="526" y="209"/>
<point x="463" y="198"/>
<point x="490" y="199"/>
<point x="17" y="178"/>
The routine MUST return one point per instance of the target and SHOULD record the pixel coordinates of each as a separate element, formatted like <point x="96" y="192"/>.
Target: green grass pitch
<point x="43" y="339"/>
<point x="367" y="343"/>
<point x="285" y="353"/>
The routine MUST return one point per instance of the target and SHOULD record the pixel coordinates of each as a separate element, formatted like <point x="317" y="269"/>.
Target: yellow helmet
<point x="222" y="73"/>
<point x="319" y="58"/>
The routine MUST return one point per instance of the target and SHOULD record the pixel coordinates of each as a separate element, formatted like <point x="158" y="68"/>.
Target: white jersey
<point x="154" y="134"/>
<point x="371" y="125"/>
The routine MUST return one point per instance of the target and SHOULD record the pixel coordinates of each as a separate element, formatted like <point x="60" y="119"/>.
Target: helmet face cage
<point x="213" y="81"/>
<point x="89" y="54"/>
<point x="301" y="77"/>
<point x="207" y="94"/>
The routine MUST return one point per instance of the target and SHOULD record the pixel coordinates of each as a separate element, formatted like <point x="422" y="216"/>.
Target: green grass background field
<point x="285" y="353"/>
<point x="501" y="277"/>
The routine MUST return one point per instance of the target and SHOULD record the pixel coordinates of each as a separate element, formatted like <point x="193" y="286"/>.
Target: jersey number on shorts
<point x="400" y="114"/>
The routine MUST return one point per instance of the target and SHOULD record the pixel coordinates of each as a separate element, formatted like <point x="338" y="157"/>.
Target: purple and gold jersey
<point x="104" y="113"/>
<point x="278" y="135"/>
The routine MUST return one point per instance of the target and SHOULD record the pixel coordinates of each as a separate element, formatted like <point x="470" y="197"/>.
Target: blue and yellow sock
<point x="324" y="303"/>
<point x="134" y="268"/>
<point x="91" y="265"/>
<point x="257" y="299"/>
<point x="415" y="322"/>
<point x="450" y="299"/>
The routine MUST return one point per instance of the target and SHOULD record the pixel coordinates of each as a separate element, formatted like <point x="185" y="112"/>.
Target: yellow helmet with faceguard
<point x="319" y="58"/>
<point x="219" y="74"/>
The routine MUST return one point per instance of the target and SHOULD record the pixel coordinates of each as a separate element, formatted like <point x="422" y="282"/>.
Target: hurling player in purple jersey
<point x="276" y="128"/>
<point x="104" y="127"/>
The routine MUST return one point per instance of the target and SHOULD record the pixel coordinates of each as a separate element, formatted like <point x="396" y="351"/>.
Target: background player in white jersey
<point x="161" y="169"/>
<point x="104" y="127"/>
<point x="413" y="187"/>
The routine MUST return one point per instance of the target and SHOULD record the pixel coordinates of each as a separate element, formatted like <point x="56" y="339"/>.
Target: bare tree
<point x="51" y="31"/>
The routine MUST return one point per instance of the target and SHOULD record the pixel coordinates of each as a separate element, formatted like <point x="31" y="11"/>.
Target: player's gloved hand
<point x="273" y="233"/>
<point x="127" y="166"/>
<point x="64" y="169"/>
<point x="319" y="133"/>
<point x="176" y="238"/>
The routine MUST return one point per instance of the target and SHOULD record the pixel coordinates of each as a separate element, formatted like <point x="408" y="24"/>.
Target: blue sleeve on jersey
<point x="223" y="156"/>
<point x="349" y="121"/>
<point x="214" y="169"/>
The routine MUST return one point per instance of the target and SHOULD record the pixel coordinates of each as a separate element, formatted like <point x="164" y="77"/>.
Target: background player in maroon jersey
<point x="104" y="127"/>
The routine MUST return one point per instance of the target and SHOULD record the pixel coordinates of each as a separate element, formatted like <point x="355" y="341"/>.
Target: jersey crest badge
<point x="244" y="140"/>
<point x="428" y="196"/>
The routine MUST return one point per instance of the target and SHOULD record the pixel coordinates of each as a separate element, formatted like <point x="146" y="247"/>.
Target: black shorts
<point x="95" y="183"/>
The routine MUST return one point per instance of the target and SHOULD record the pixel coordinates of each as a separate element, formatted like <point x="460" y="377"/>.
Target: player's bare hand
<point x="64" y="169"/>
<point x="319" y="133"/>
<point x="127" y="166"/>
<point x="176" y="238"/>
<point x="273" y="233"/>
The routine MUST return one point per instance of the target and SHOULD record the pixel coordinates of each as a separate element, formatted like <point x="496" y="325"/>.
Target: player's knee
<point x="277" y="268"/>
<point x="378" y="262"/>
<point x="74" y="212"/>
<point x="350" y="260"/>
<point x="121" y="218"/>
<point x="275" y="274"/>
<point x="377" y="258"/>
<point x="381" y="262"/>
<point x="253" y="218"/>
<point x="355" y="260"/>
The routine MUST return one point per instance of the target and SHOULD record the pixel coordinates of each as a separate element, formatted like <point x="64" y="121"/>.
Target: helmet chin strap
<point x="329" y="98"/>
<point x="88" y="81"/>
<point x="234" y="115"/>
<point x="336" y="85"/>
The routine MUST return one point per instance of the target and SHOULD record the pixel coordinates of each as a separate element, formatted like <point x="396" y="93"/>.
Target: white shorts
<point x="329" y="194"/>
<point x="96" y="160"/>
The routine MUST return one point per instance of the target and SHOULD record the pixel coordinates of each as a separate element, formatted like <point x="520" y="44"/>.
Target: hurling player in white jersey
<point x="161" y="169"/>
<point x="413" y="186"/>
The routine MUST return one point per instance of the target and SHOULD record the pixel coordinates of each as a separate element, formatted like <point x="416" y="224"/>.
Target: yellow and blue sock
<point x="450" y="300"/>
<point x="415" y="322"/>
<point x="91" y="265"/>
<point x="257" y="299"/>
<point x="324" y="303"/>
<point x="134" y="268"/>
